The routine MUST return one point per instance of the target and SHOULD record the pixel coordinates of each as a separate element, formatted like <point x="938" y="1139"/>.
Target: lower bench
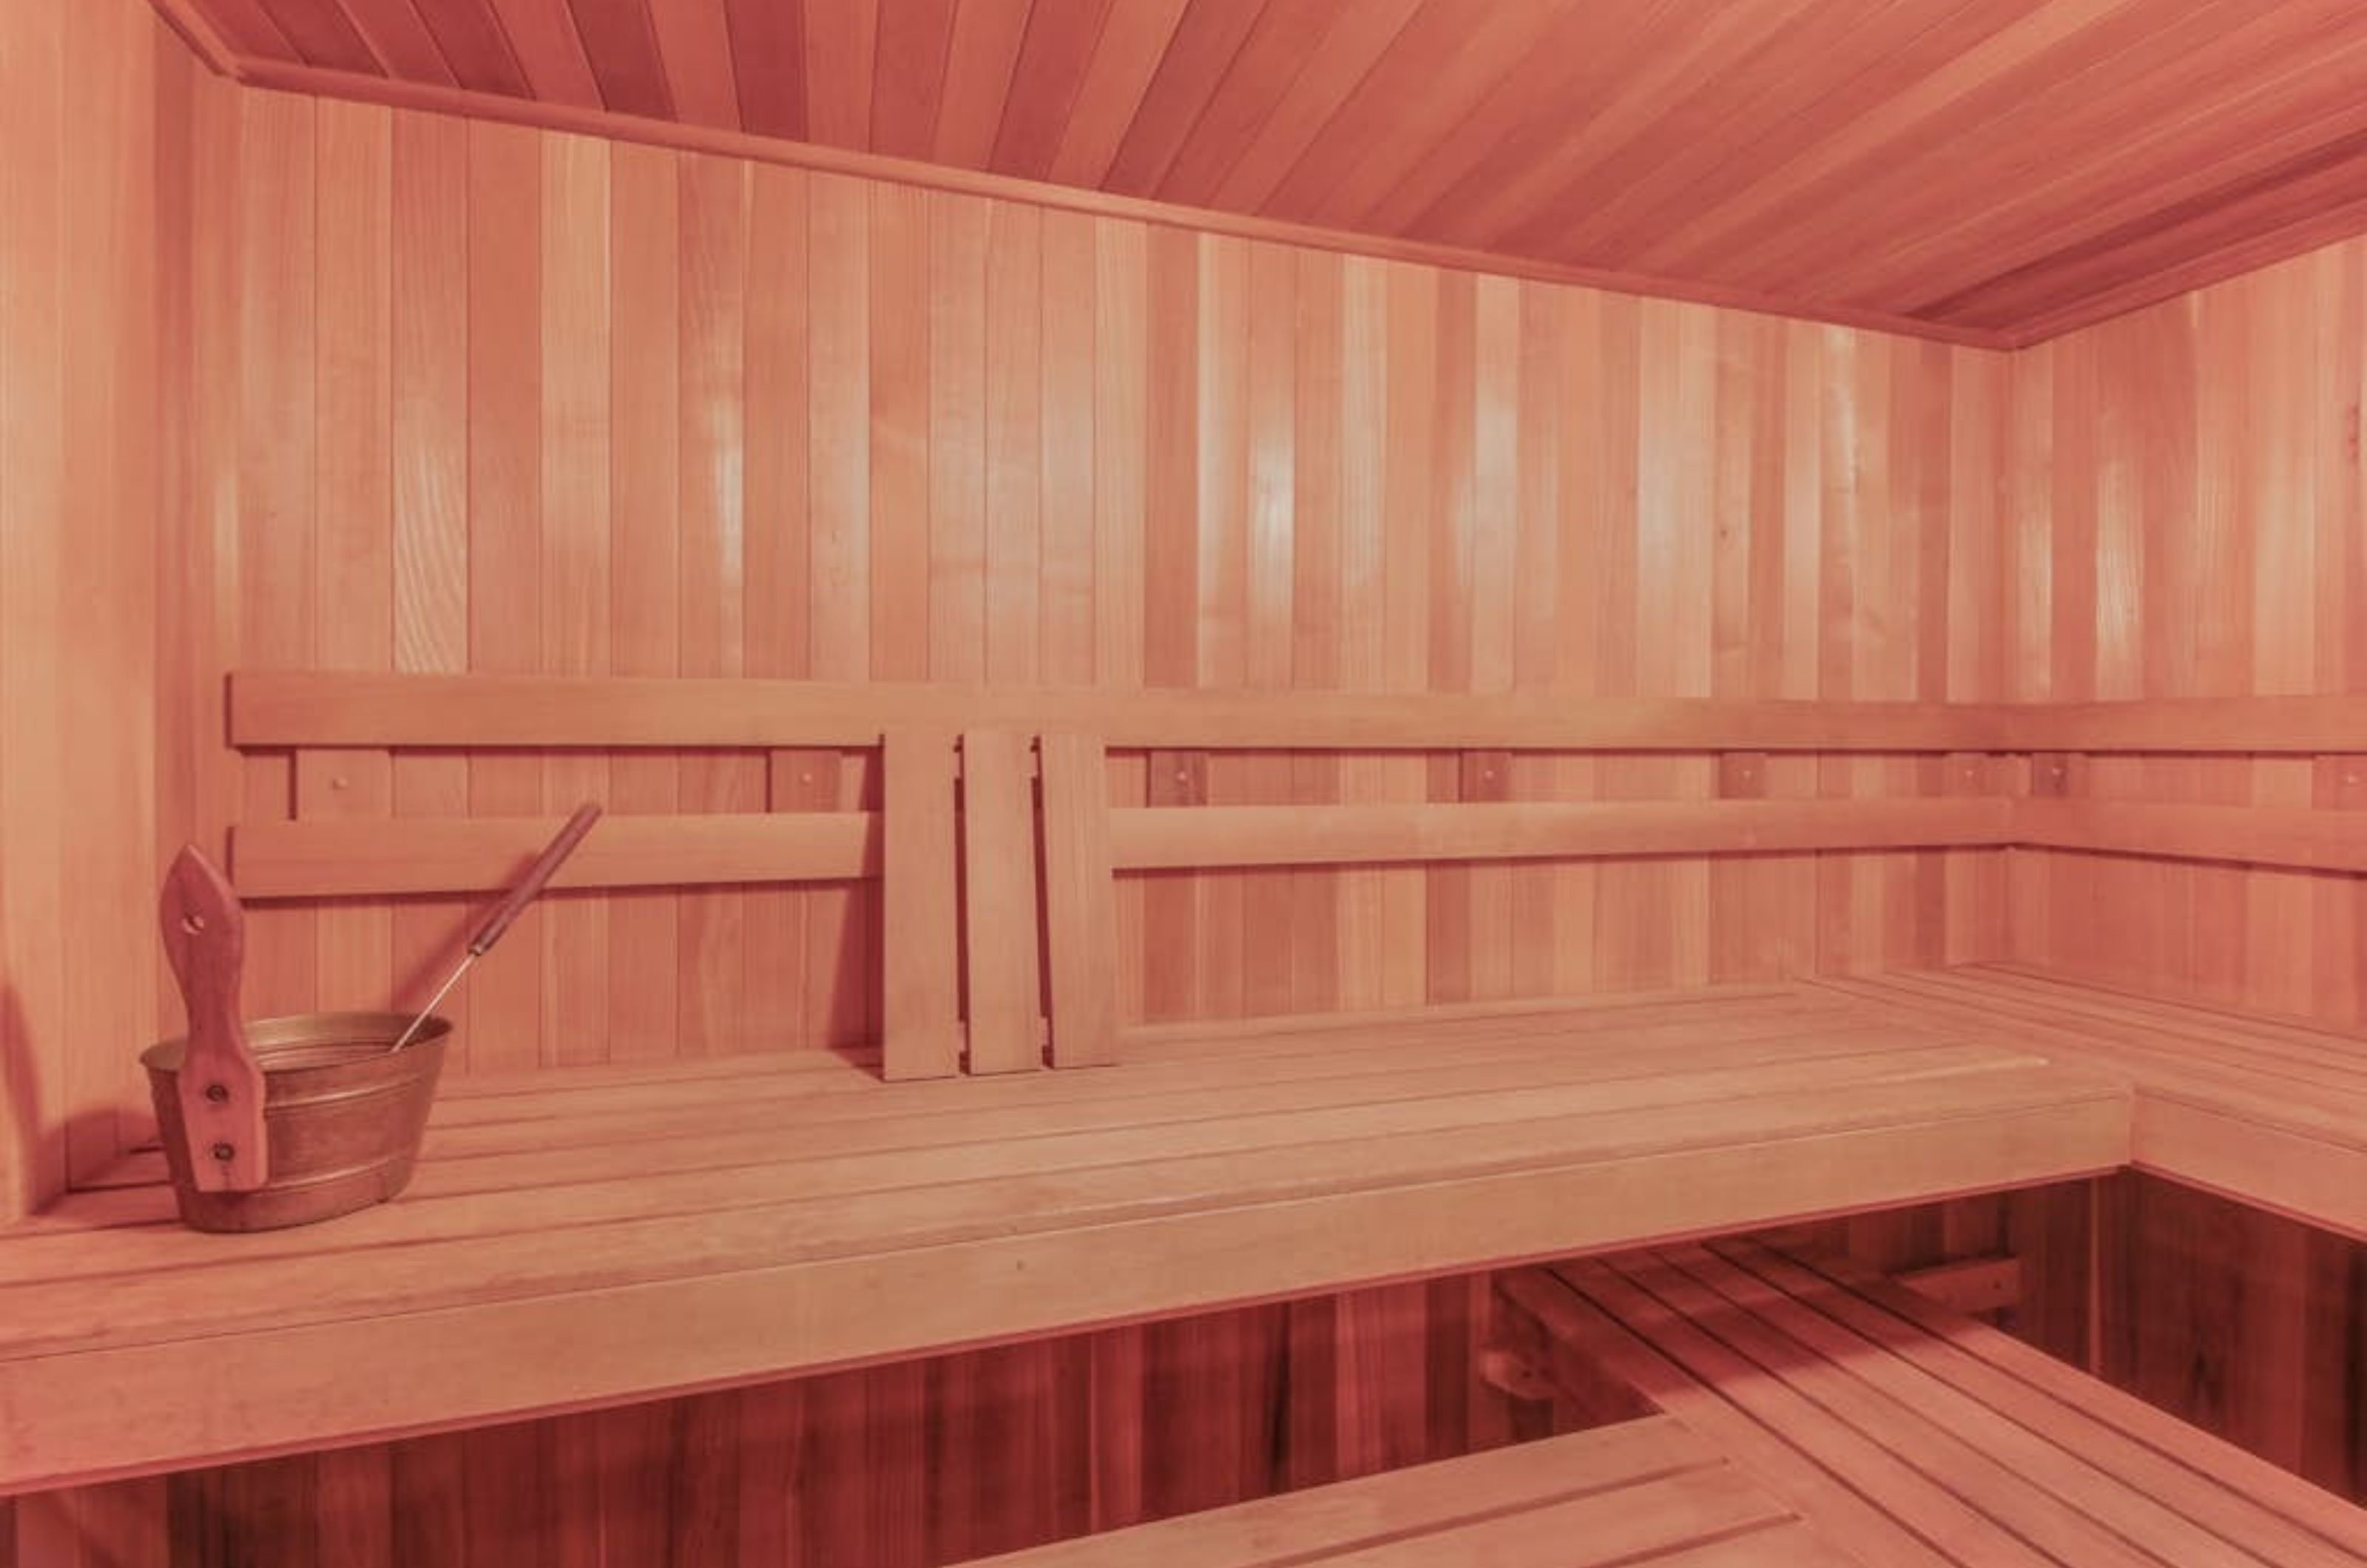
<point x="1907" y="1434"/>
<point x="1644" y="1492"/>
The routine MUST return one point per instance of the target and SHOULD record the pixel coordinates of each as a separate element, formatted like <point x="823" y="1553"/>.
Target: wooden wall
<point x="81" y="206"/>
<point x="922" y="1462"/>
<point x="2186" y="520"/>
<point x="2245" y="1323"/>
<point x="478" y="397"/>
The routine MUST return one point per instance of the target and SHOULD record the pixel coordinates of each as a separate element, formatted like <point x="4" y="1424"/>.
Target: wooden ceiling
<point x="1998" y="169"/>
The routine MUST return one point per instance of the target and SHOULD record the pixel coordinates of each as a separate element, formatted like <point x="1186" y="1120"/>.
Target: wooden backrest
<point x="961" y="880"/>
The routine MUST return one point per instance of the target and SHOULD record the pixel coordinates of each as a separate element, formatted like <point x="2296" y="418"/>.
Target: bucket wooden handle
<point x="220" y="1083"/>
<point x="529" y="887"/>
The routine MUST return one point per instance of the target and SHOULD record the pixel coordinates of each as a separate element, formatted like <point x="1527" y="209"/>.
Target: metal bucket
<point x="343" y="1117"/>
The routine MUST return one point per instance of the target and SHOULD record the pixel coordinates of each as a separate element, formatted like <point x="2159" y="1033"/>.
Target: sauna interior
<point x="1383" y="781"/>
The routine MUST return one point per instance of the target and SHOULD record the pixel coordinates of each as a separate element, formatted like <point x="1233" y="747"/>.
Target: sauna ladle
<point x="553" y="856"/>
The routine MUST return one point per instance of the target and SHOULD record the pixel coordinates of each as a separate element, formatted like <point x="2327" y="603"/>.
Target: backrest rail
<point x="318" y="708"/>
<point x="1174" y="838"/>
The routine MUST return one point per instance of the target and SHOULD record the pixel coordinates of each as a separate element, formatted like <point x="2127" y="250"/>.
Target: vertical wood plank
<point x="777" y="610"/>
<point x="644" y="611"/>
<point x="501" y="536"/>
<point x="576" y="559"/>
<point x="715" y="1014"/>
<point x="840" y="554"/>
<point x="1079" y="896"/>
<point x="919" y="1032"/>
<point x="999" y="903"/>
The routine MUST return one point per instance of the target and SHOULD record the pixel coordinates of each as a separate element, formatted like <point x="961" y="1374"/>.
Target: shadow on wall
<point x="31" y="1149"/>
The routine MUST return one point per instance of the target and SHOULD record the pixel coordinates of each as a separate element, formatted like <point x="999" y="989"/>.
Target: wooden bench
<point x="1647" y="1491"/>
<point x="1906" y="1435"/>
<point x="593" y="1236"/>
<point x="2270" y="1112"/>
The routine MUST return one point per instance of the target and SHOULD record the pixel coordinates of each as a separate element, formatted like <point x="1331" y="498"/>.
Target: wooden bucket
<point x="342" y="1116"/>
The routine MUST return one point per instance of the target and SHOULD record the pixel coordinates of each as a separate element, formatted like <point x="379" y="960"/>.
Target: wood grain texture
<point x="2185" y="530"/>
<point x="95" y="251"/>
<point x="1216" y="1166"/>
<point x="2100" y="157"/>
<point x="809" y="426"/>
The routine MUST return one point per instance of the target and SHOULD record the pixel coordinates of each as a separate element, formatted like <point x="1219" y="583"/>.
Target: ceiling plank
<point x="1202" y="51"/>
<point x="769" y="61"/>
<point x="909" y="75"/>
<point x="695" y="49"/>
<point x="1444" y="61"/>
<point x="621" y="41"/>
<point x="471" y="38"/>
<point x="841" y="45"/>
<point x="324" y="35"/>
<point x="984" y="58"/>
<point x="1062" y="38"/>
<point x="400" y="40"/>
<point x="1336" y="68"/>
<point x="1133" y="43"/>
<point x="537" y="38"/>
<point x="1281" y="44"/>
<point x="245" y="26"/>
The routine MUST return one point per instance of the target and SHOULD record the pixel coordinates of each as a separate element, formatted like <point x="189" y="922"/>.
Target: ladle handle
<point x="553" y="856"/>
<point x="220" y="1085"/>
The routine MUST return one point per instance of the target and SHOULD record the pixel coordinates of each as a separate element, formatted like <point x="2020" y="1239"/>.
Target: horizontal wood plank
<point x="1158" y="838"/>
<point x="361" y="858"/>
<point x="2298" y="836"/>
<point x="319" y="708"/>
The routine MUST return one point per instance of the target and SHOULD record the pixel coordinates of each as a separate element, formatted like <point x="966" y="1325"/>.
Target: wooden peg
<point x="1742" y="776"/>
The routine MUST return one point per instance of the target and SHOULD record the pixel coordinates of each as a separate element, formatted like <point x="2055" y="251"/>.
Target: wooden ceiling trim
<point x="986" y="40"/>
<point x="841" y="52"/>
<point x="1132" y="43"/>
<point x="694" y="38"/>
<point x="537" y="38"/>
<point x="769" y="66"/>
<point x="281" y="76"/>
<point x="915" y="47"/>
<point x="621" y="41"/>
<point x="1062" y="38"/>
<point x="400" y="40"/>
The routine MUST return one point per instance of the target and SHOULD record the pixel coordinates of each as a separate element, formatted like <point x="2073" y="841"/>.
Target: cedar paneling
<point x="85" y="169"/>
<point x="1997" y="170"/>
<point x="723" y="416"/>
<point x="2185" y="520"/>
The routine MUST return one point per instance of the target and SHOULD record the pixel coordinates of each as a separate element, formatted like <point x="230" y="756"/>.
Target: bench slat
<point x="1846" y="1394"/>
